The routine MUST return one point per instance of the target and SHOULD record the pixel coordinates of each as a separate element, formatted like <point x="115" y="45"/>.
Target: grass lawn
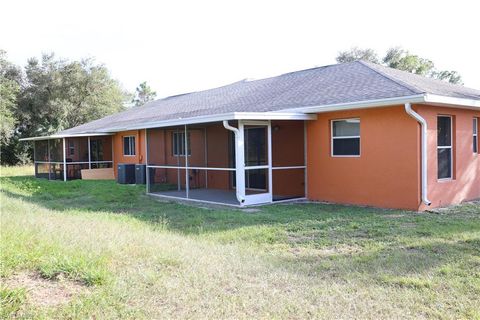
<point x="96" y="249"/>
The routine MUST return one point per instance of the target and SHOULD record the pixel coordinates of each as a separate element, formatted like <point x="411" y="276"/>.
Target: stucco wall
<point x="139" y="156"/>
<point x="386" y="174"/>
<point x="465" y="184"/>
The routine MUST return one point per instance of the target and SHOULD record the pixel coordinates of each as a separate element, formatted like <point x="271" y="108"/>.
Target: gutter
<point x="423" y="124"/>
<point x="239" y="162"/>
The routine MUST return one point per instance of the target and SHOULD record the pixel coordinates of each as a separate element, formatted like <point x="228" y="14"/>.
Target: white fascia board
<point x="78" y="135"/>
<point x="419" y="98"/>
<point x="451" y="101"/>
<point x="219" y="118"/>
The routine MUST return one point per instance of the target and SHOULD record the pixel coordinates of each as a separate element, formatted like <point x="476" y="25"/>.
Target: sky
<point x="184" y="46"/>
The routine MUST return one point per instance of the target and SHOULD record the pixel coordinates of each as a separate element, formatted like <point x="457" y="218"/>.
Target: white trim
<point x="187" y="176"/>
<point x="419" y="98"/>
<point x="220" y="118"/>
<point x="193" y="168"/>
<point x="206" y="154"/>
<point x="332" y="138"/>
<point x="266" y="197"/>
<point x="48" y="151"/>
<point x="78" y="135"/>
<point x="64" y="162"/>
<point x="89" y="154"/>
<point x="266" y="166"/>
<point x="129" y="145"/>
<point x="305" y="145"/>
<point x="147" y="173"/>
<point x="446" y="147"/>
<point x="451" y="101"/>
<point x="77" y="162"/>
<point x="270" y="163"/>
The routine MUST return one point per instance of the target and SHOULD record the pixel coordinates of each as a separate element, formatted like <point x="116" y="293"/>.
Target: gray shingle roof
<point x="333" y="84"/>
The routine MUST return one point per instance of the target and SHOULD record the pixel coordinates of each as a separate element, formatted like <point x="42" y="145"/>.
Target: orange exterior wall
<point x="118" y="156"/>
<point x="465" y="184"/>
<point x="387" y="173"/>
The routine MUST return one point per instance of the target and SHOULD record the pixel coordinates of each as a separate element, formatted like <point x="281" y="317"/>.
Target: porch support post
<point x="270" y="174"/>
<point x="147" y="172"/>
<point x="89" y="155"/>
<point x="187" y="182"/>
<point x="49" y="164"/>
<point x="34" y="159"/>
<point x="240" y="162"/>
<point x="64" y="162"/>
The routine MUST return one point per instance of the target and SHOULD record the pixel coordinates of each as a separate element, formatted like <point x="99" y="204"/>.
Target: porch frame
<point x="64" y="154"/>
<point x="240" y="167"/>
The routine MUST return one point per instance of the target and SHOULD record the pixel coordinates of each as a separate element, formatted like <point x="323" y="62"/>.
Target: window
<point x="475" y="135"/>
<point x="129" y="146"/>
<point x="346" y="138"/>
<point x="71" y="148"/>
<point x="178" y="144"/>
<point x="444" y="147"/>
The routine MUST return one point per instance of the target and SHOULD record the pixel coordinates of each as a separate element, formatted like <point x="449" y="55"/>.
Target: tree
<point x="57" y="94"/>
<point x="10" y="77"/>
<point x="143" y="94"/>
<point x="401" y="59"/>
<point x="356" y="53"/>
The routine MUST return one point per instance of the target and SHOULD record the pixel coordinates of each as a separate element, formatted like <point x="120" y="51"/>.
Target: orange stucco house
<point x="354" y="133"/>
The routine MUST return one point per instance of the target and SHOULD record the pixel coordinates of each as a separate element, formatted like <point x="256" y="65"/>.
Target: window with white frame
<point x="178" y="144"/>
<point x="346" y="138"/>
<point x="129" y="146"/>
<point x="444" y="147"/>
<point x="475" y="135"/>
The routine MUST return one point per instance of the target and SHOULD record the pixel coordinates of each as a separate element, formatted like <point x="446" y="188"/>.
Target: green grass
<point x="141" y="258"/>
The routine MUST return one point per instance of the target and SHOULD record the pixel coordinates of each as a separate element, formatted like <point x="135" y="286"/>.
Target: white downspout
<point x="423" y="124"/>
<point x="239" y="162"/>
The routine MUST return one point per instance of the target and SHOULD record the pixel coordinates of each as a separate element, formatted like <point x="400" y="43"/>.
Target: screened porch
<point x="234" y="163"/>
<point x="53" y="155"/>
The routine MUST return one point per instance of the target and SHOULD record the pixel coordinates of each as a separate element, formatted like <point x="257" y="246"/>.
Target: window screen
<point x="346" y="137"/>
<point x="129" y="146"/>
<point x="444" y="147"/>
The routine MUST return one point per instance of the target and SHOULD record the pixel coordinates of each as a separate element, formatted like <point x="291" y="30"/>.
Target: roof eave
<point x="60" y="136"/>
<point x="424" y="98"/>
<point x="451" y="101"/>
<point x="218" y="118"/>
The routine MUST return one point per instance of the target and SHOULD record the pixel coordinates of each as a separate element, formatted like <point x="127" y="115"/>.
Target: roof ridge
<point x="408" y="86"/>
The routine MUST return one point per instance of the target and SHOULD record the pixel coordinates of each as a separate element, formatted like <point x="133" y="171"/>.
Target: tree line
<point x="52" y="94"/>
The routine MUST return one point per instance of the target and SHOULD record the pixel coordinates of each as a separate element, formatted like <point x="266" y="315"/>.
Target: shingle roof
<point x="333" y="84"/>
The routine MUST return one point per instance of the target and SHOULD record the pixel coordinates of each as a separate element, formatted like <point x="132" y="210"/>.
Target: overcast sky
<point x="183" y="46"/>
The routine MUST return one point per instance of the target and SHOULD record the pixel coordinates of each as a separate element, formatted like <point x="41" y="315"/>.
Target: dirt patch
<point x="42" y="292"/>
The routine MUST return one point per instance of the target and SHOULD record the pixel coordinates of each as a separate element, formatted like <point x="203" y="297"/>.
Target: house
<point x="354" y="133"/>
